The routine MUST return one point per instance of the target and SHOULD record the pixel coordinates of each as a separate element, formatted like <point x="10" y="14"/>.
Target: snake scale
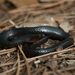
<point x="15" y="36"/>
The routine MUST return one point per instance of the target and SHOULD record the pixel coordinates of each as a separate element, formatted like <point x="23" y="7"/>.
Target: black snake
<point x="15" y="36"/>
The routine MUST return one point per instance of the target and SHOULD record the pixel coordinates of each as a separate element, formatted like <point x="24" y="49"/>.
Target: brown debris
<point x="62" y="62"/>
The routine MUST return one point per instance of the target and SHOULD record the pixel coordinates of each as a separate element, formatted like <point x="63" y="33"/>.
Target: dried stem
<point x="26" y="62"/>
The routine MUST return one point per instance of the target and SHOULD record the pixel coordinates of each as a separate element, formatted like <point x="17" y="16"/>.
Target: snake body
<point x="36" y="52"/>
<point x="14" y="36"/>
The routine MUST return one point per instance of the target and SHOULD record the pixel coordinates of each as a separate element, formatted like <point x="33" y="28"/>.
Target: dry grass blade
<point x="54" y="63"/>
<point x="7" y="51"/>
<point x="26" y="62"/>
<point x="10" y="63"/>
<point x="18" y="67"/>
<point x="13" y="69"/>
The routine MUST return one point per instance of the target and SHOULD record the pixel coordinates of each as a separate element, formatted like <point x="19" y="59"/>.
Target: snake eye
<point x="11" y="38"/>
